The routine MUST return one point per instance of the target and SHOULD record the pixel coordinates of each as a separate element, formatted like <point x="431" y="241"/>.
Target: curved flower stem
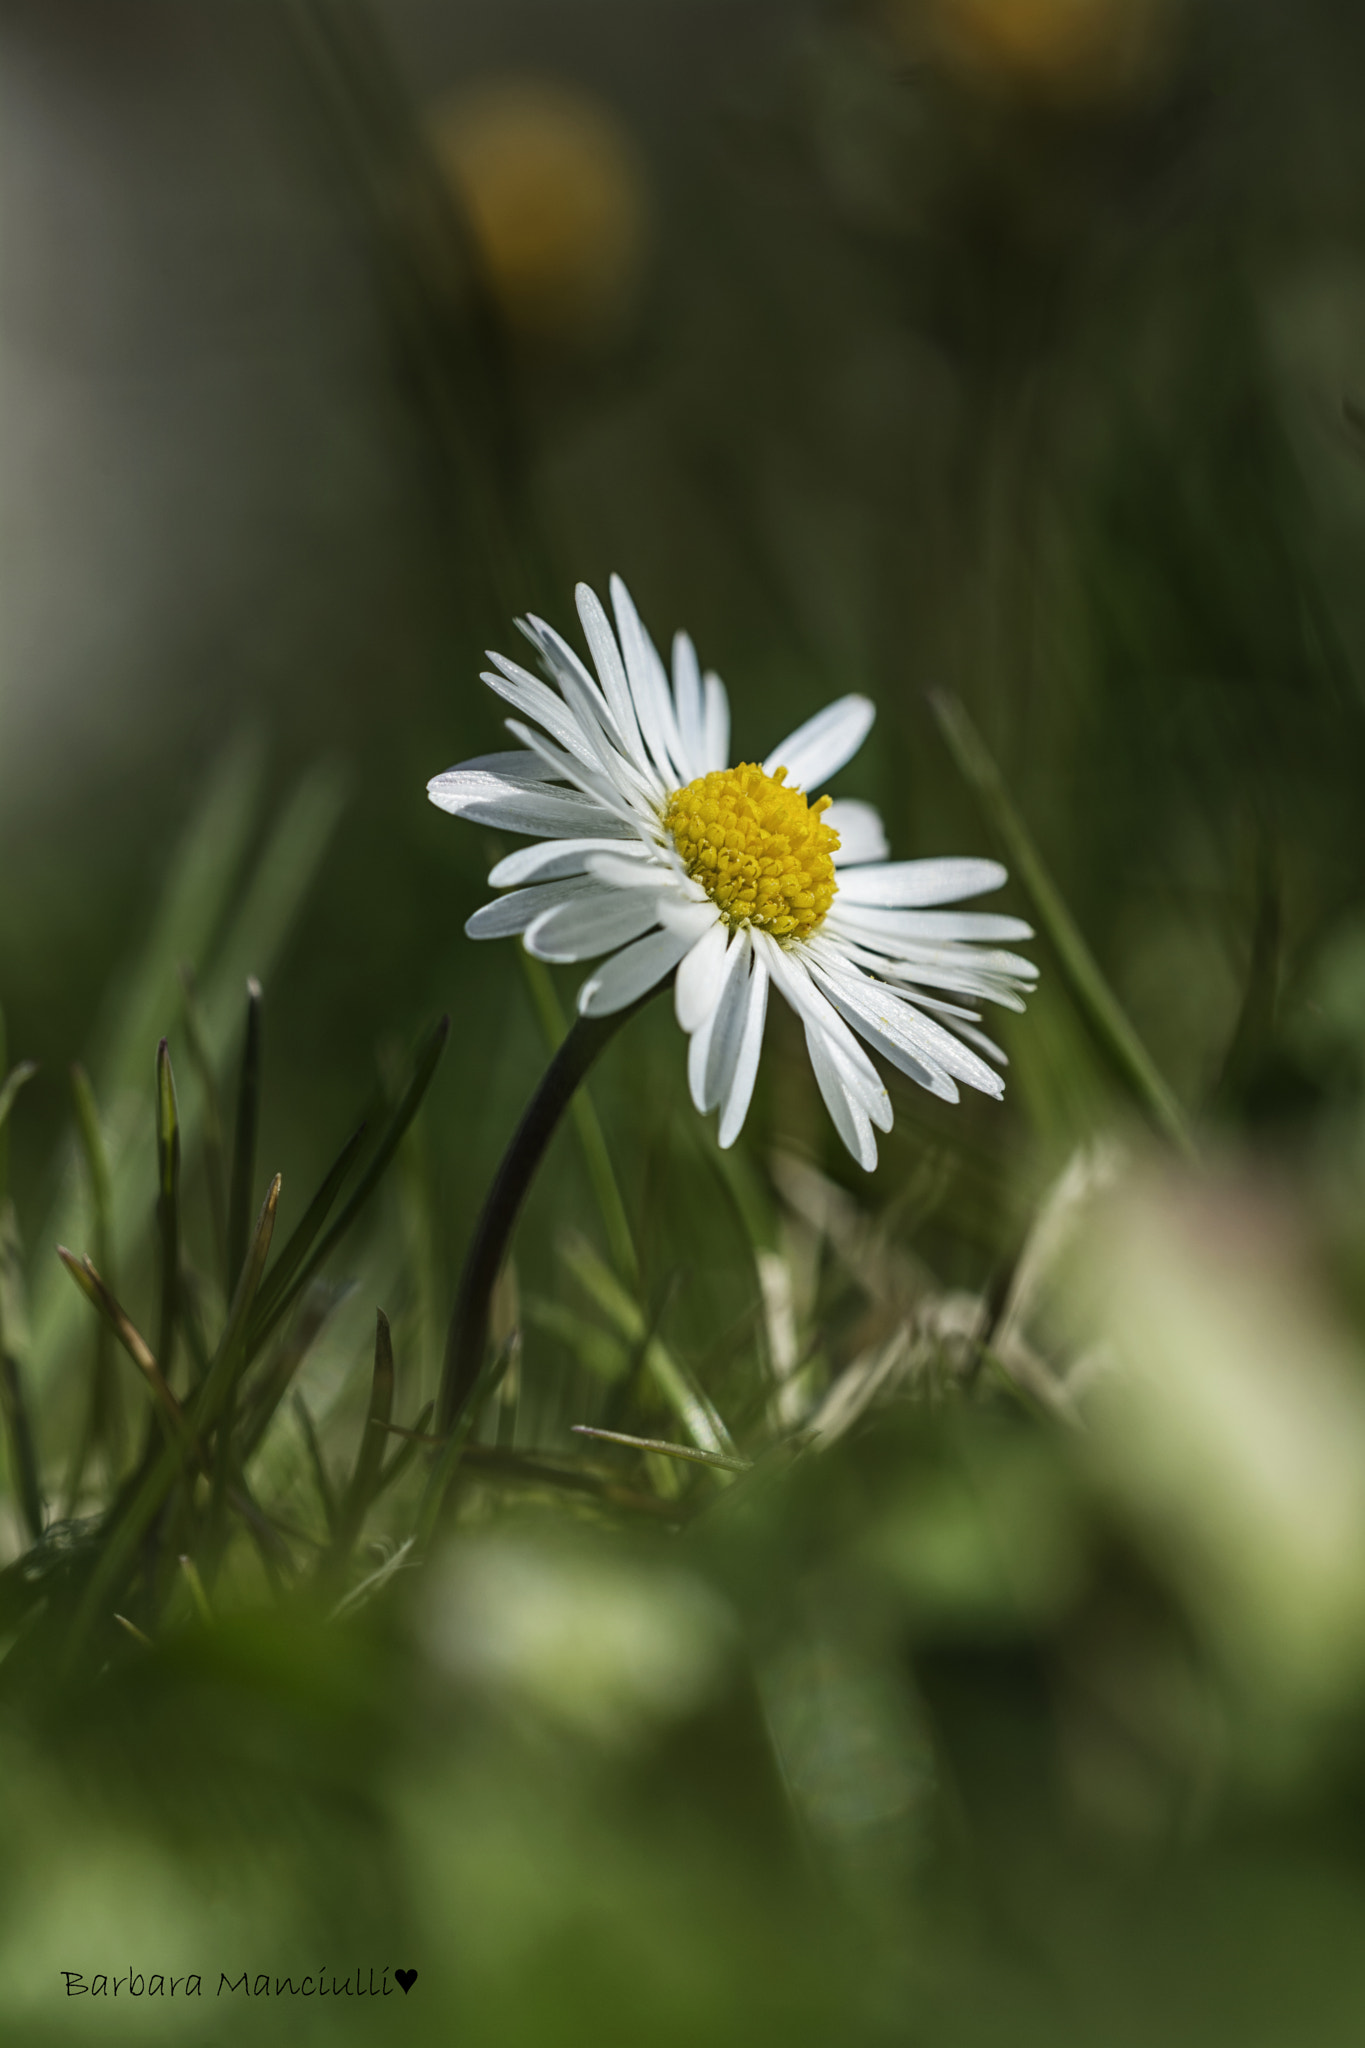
<point x="468" y="1335"/>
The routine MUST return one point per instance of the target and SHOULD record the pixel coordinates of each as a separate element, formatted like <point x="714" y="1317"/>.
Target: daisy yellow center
<point x="763" y="854"/>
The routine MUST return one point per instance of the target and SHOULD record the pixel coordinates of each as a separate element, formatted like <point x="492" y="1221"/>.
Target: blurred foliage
<point x="954" y="1631"/>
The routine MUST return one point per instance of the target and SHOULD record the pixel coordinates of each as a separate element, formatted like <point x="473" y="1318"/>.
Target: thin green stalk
<point x="452" y="1446"/>
<point x="23" y="1455"/>
<point x="369" y="1462"/>
<point x="167" y="1207"/>
<point x="103" y="1416"/>
<point x="468" y="1334"/>
<point x="322" y="1478"/>
<point x="120" y="1325"/>
<point x="1092" y="994"/>
<point x="301" y="1240"/>
<point x="244" y="1138"/>
<point x="687" y="1452"/>
<point x="137" y="1512"/>
<point x="407" y="1451"/>
<point x="276" y="1301"/>
<point x="211" y="1133"/>
<point x="605" y="1188"/>
<point x="271" y="1389"/>
<point x="22" y="1451"/>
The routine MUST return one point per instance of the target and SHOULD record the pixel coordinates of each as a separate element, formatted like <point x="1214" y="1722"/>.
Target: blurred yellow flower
<point x="1065" y="49"/>
<point x="555" y="194"/>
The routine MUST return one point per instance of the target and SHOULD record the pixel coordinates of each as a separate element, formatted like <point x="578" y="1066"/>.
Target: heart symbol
<point x="407" y="1978"/>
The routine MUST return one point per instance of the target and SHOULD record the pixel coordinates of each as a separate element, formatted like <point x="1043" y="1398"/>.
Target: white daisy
<point x="657" y="854"/>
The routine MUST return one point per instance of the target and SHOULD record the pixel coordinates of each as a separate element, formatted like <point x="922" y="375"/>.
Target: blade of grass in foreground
<point x="300" y="1241"/>
<point x="1089" y="988"/>
<point x="126" y="1532"/>
<point x="666" y="1449"/>
<point x="244" y="1138"/>
<point x="691" y="1403"/>
<point x="424" y="1068"/>
<point x="167" y="1206"/>
<point x="103" y="1415"/>
<point x="22" y="1451"/>
<point x="369" y="1461"/>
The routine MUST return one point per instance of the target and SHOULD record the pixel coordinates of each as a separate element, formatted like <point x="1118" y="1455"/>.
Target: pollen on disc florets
<point x="763" y="854"/>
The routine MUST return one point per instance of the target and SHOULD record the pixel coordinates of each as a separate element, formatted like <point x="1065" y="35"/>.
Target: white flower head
<point x="656" y="857"/>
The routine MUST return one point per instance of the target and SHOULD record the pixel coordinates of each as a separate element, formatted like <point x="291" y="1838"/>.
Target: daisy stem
<point x="592" y="1143"/>
<point x="1081" y="971"/>
<point x="468" y="1335"/>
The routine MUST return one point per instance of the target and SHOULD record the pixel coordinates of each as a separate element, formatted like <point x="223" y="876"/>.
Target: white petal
<point x="682" y="913"/>
<point x="597" y="726"/>
<point x="630" y="974"/>
<point x="738" y="1096"/>
<point x="649" y="685"/>
<point x="563" y="664"/>
<point x="792" y="976"/>
<point x="726" y="1034"/>
<point x="556" y="858"/>
<point x="691" y="711"/>
<point x="928" y="927"/>
<point x="850" y="1119"/>
<point x="597" y="924"/>
<point x="922" y="1072"/>
<point x="977" y="975"/>
<point x="916" y="1034"/>
<point x="592" y="780"/>
<point x="540" y="812"/>
<point x="610" y="667"/>
<point x="820" y="747"/>
<point x="913" y="884"/>
<point x="697" y="988"/>
<point x="717" y="723"/>
<point x="861" y="836"/>
<point x="515" y="765"/>
<point x="514" y="912"/>
<point x="699" y="1046"/>
<point x="518" y="687"/>
<point x="979" y="1038"/>
<point x="655" y="873"/>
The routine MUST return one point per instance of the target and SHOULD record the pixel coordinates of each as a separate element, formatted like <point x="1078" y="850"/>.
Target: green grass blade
<point x="244" y="1138"/>
<point x="121" y="1326"/>
<point x="668" y="1450"/>
<point x="1081" y="971"/>
<point x="406" y="1452"/>
<point x="688" y="1401"/>
<point x="314" y="1310"/>
<point x="424" y="1069"/>
<point x="104" y="1416"/>
<point x="296" y="1248"/>
<point x="321" y="1476"/>
<point x="17" y="1078"/>
<point x="211" y="1120"/>
<point x="452" y="1449"/>
<point x="133" y="1519"/>
<point x="22" y="1450"/>
<point x="369" y="1461"/>
<point x="167" y="1207"/>
<point x="200" y="877"/>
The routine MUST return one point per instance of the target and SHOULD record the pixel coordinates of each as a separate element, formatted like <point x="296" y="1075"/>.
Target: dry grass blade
<point x="666" y="1449"/>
